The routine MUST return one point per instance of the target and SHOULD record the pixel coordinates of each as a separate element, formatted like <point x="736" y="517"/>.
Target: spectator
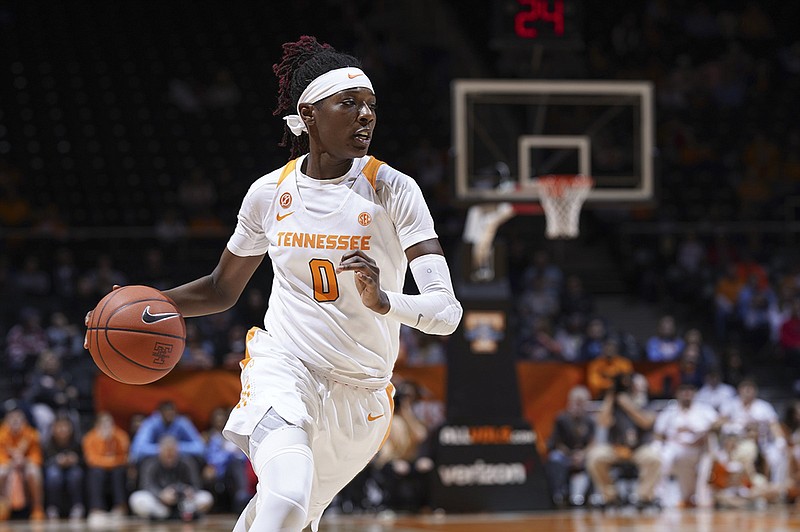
<point x="103" y="276"/>
<point x="627" y="431"/>
<point x="732" y="484"/>
<point x="225" y="465"/>
<point x="708" y="357"/>
<point x="49" y="392"/>
<point x="726" y="295"/>
<point x="791" y="431"/>
<point x="31" y="280"/>
<point x="789" y="339"/>
<point x="156" y="272"/>
<point x="166" y="420"/>
<point x="714" y="392"/>
<point x="570" y="337"/>
<point x="781" y="311"/>
<point x="64" y="338"/>
<point x="63" y="470"/>
<point x="665" y="345"/>
<point x="430" y="350"/>
<point x="596" y="334"/>
<point x="748" y="268"/>
<point x="20" y="467"/>
<point x="755" y="305"/>
<point x="690" y="366"/>
<point x="234" y="348"/>
<point x="543" y="267"/>
<point x="132" y="474"/>
<point x="757" y="426"/>
<point x="575" y="299"/>
<point x="537" y="300"/>
<point x="403" y="465"/>
<point x="64" y="274"/>
<point x="170" y="486"/>
<point x="428" y="409"/>
<point x="572" y="434"/>
<point x="537" y="343"/>
<point x="690" y="255"/>
<point x="198" y="352"/>
<point x="681" y="431"/>
<point x="105" y="450"/>
<point x="252" y="307"/>
<point x="603" y="370"/>
<point x="735" y="367"/>
<point x="24" y="341"/>
<point x="686" y="277"/>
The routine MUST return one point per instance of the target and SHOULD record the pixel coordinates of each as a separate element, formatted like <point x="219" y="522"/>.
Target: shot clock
<point x="553" y="23"/>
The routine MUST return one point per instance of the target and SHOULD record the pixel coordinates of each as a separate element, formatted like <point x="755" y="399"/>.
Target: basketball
<point x="136" y="335"/>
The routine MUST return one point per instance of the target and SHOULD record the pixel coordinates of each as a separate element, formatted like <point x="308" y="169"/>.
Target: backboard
<point x="507" y="133"/>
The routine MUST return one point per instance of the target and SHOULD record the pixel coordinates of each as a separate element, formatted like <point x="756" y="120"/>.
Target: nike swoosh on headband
<point x="147" y="317"/>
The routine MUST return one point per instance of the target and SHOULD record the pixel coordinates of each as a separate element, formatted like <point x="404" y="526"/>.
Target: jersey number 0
<point x="323" y="275"/>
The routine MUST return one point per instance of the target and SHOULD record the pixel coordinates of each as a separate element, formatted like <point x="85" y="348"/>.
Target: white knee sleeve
<point x="285" y="468"/>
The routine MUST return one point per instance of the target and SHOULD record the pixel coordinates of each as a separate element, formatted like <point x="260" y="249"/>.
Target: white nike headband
<point x="326" y="85"/>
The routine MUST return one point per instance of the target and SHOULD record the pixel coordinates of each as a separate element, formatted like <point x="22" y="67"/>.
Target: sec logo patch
<point x="364" y="219"/>
<point x="286" y="200"/>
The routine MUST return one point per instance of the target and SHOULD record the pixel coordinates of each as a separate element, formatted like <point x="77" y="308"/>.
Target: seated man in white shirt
<point x="682" y="432"/>
<point x="756" y="423"/>
<point x="714" y="392"/>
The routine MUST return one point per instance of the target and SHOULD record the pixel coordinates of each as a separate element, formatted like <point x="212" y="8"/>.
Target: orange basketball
<point x="136" y="335"/>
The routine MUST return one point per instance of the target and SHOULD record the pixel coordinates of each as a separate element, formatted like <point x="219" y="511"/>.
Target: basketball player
<point x="340" y="228"/>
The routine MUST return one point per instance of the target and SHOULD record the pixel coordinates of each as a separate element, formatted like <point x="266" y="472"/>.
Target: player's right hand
<point x="89" y="317"/>
<point x="367" y="278"/>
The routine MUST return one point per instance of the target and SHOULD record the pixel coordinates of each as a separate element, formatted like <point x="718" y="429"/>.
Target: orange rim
<point x="556" y="185"/>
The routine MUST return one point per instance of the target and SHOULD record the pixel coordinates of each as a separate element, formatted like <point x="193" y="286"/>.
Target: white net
<point x="562" y="197"/>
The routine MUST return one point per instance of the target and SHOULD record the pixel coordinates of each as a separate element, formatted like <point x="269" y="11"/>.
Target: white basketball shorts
<point x="346" y="424"/>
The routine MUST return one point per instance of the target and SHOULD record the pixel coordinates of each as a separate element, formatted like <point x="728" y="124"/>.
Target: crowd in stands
<point x="164" y="468"/>
<point x="712" y="446"/>
<point x="55" y="441"/>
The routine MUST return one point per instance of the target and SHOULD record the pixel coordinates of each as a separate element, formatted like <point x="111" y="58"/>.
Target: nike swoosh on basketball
<point x="280" y="217"/>
<point x="351" y="76"/>
<point x="147" y="317"/>
<point x="370" y="417"/>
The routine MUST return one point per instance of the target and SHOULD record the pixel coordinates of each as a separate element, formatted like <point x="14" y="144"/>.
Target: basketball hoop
<point x="562" y="197"/>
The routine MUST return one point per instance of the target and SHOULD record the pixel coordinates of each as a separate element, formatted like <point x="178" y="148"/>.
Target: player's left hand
<point x="368" y="279"/>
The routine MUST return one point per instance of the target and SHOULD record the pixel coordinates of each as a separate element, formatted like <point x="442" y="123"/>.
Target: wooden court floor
<point x="776" y="519"/>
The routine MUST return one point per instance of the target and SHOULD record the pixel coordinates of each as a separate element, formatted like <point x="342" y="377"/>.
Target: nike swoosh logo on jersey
<point x="370" y="417"/>
<point x="147" y="317"/>
<point x="418" y="318"/>
<point x="352" y="76"/>
<point x="280" y="217"/>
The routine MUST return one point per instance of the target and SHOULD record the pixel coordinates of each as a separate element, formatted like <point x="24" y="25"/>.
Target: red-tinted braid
<point x="302" y="62"/>
<point x="295" y="54"/>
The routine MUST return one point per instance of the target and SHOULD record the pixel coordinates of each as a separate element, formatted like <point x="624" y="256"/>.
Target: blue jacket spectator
<point x="166" y="421"/>
<point x="665" y="345"/>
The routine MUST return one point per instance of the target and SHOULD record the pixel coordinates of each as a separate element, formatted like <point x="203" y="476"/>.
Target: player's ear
<point x="307" y="113"/>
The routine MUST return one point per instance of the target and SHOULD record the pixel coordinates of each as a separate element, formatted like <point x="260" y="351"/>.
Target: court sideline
<point x="781" y="519"/>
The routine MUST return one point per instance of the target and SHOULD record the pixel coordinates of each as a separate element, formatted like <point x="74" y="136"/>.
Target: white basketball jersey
<point x="314" y="313"/>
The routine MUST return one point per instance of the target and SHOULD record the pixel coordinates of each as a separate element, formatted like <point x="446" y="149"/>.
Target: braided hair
<point x="301" y="63"/>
